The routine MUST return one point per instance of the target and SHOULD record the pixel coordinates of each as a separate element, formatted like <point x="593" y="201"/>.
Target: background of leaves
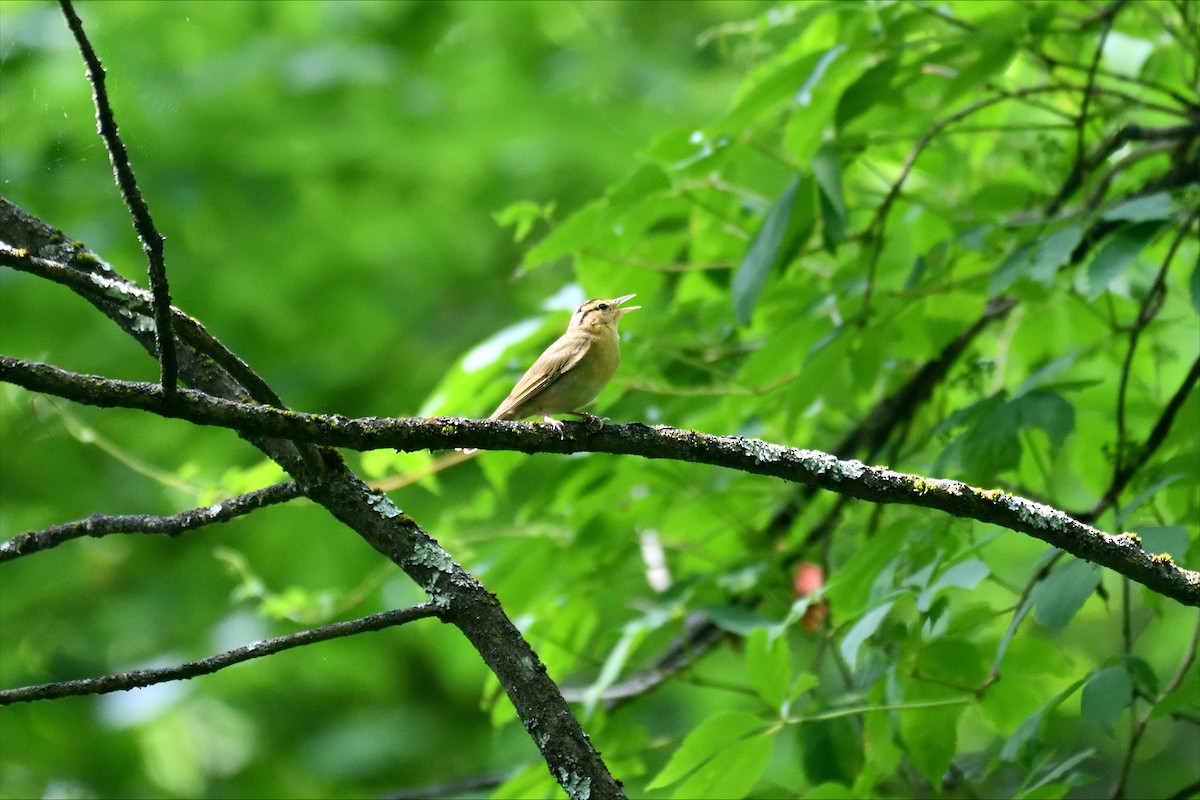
<point x="330" y="178"/>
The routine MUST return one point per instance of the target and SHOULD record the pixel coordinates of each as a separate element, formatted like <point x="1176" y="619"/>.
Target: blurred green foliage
<point x="387" y="208"/>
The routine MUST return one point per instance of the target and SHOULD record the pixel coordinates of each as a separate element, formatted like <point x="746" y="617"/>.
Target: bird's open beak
<point x="622" y="312"/>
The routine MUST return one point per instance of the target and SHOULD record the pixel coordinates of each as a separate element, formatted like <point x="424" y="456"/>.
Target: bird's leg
<point x="591" y="419"/>
<point x="552" y="422"/>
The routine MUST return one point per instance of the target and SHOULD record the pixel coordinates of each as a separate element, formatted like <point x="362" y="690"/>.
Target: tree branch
<point x="102" y="524"/>
<point x="1122" y="554"/>
<point x="143" y="223"/>
<point x="138" y="678"/>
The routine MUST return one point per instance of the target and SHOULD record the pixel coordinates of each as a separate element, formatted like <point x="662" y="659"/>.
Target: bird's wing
<point x="549" y="366"/>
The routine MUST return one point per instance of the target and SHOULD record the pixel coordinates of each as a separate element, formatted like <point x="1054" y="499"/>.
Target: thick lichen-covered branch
<point x="1122" y="553"/>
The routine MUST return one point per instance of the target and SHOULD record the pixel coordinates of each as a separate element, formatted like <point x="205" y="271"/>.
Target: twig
<point x="1125" y="468"/>
<point x="698" y="637"/>
<point x="1139" y="726"/>
<point x="101" y="524"/>
<point x="869" y="436"/>
<point x="1083" y="164"/>
<point x="143" y="223"/>
<point x="90" y="278"/>
<point x="458" y="788"/>
<point x="1154" y="440"/>
<point x="138" y="678"/>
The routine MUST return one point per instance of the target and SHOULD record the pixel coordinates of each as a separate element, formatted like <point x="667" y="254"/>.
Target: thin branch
<point x="1024" y="604"/>
<point x="143" y="223"/>
<point x="1154" y="440"/>
<point x="698" y="637"/>
<point x="1122" y="554"/>
<point x="1083" y="164"/>
<point x="1125" y="468"/>
<point x="876" y="226"/>
<point x="102" y="525"/>
<point x="80" y="270"/>
<point x="135" y="679"/>
<point x="1139" y="726"/>
<point x="870" y="435"/>
<point x="459" y="788"/>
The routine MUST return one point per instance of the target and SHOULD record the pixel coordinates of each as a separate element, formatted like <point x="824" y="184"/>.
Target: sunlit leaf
<point x="709" y="738"/>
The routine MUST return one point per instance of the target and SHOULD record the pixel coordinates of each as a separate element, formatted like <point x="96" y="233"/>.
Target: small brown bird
<point x="574" y="369"/>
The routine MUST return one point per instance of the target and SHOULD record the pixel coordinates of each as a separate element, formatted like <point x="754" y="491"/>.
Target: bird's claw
<point x="553" y="423"/>
<point x="590" y="419"/>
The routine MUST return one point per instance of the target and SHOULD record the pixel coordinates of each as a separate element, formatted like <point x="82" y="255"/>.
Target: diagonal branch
<point x="1122" y="554"/>
<point x="135" y="679"/>
<point x="103" y="524"/>
<point x="79" y="270"/>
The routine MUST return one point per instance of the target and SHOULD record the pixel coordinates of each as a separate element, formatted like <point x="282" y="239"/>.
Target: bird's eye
<point x="603" y="306"/>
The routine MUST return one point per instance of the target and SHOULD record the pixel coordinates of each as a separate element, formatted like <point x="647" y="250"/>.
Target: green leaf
<point x="1117" y="253"/>
<point x="1171" y="539"/>
<point x="1031" y="728"/>
<point x="532" y="781"/>
<point x="1133" y="504"/>
<point x="964" y="575"/>
<point x="832" y="791"/>
<point x="1106" y="694"/>
<point x="832" y="750"/>
<point x="646" y="180"/>
<point x="775" y="84"/>
<point x="1139" y="209"/>
<point x="989" y="55"/>
<point x="635" y="631"/>
<point x="736" y="619"/>
<point x="1053" y="252"/>
<point x="1194" y="287"/>
<point x="991" y="445"/>
<point x="1126" y="54"/>
<point x="931" y="738"/>
<point x="951" y="661"/>
<point x="1039" y="262"/>
<point x="709" y="738"/>
<point x="522" y="216"/>
<point x="687" y="149"/>
<point x="1056" y="599"/>
<point x="1025" y="735"/>
<point x="1011" y="270"/>
<point x="732" y="773"/>
<point x="873" y="86"/>
<point x="1047" y="372"/>
<point x="862" y="631"/>
<point x="575" y="232"/>
<point x="827" y="171"/>
<point x="1047" y="789"/>
<point x="768" y="666"/>
<point x="786" y="226"/>
<point x="1049" y="411"/>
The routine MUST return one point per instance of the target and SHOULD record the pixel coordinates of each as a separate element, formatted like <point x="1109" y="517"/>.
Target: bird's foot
<point x="553" y="423"/>
<point x="590" y="419"/>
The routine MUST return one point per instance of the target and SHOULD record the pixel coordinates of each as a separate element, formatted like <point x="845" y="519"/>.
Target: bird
<point x="573" y="370"/>
<point x="568" y="375"/>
